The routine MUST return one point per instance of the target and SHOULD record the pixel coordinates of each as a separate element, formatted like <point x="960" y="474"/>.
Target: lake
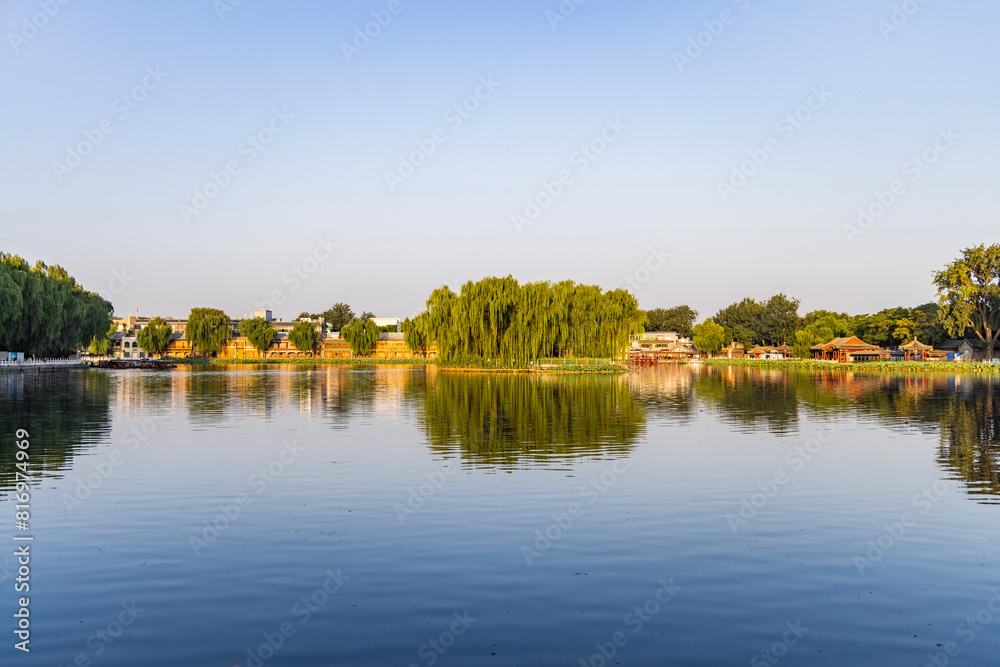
<point x="337" y="515"/>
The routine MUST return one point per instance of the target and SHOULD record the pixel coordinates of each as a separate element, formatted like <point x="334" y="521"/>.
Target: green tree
<point x="208" y="330"/>
<point x="929" y="327"/>
<point x="338" y="315"/>
<point x="155" y="336"/>
<point x="969" y="294"/>
<point x="803" y="342"/>
<point x="679" y="318"/>
<point x="259" y="332"/>
<point x="499" y="321"/>
<point x="415" y="334"/>
<point x="361" y="335"/>
<point x="904" y="331"/>
<point x="304" y="336"/>
<point x="740" y="321"/>
<point x="778" y="320"/>
<point x="825" y="325"/>
<point x="709" y="337"/>
<point x="102" y="344"/>
<point x="43" y="311"/>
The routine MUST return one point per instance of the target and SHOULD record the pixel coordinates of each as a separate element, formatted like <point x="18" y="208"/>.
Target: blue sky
<point x="645" y="211"/>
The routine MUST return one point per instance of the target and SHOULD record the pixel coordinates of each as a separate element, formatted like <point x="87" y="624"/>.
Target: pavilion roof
<point x="845" y="343"/>
<point x="916" y="346"/>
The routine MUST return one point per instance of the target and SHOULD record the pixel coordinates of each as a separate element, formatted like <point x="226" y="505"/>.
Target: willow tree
<point x="304" y="336"/>
<point x="361" y="335"/>
<point x="155" y="336"/>
<point x="43" y="311"/>
<point x="969" y="292"/>
<point x="415" y="334"/>
<point x="496" y="320"/>
<point x="709" y="337"/>
<point x="208" y="329"/>
<point x="259" y="332"/>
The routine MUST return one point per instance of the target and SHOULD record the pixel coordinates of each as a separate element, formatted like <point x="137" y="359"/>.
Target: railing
<point x="33" y="363"/>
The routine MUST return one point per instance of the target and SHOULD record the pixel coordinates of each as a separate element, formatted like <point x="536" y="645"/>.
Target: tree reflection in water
<point x="507" y="420"/>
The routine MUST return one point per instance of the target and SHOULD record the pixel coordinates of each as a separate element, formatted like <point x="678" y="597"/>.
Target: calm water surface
<point x="398" y="516"/>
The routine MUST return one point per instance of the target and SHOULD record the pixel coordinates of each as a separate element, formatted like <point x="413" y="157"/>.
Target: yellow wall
<point x="240" y="348"/>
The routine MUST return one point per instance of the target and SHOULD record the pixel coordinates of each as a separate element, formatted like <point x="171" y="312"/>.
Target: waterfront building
<point x="847" y="349"/>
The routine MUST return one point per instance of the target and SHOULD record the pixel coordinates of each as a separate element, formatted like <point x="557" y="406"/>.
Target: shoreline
<point x="569" y="370"/>
<point x="955" y="367"/>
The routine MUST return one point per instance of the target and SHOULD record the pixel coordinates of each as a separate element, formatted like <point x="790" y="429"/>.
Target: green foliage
<point x="751" y="322"/>
<point x="259" y="332"/>
<point x="803" y="341"/>
<point x="155" y="336"/>
<point x="338" y="315"/>
<point x="679" y="318"/>
<point x="415" y="334"/>
<point x="893" y="327"/>
<point x="969" y="294"/>
<point x="208" y="329"/>
<point x="709" y="337"/>
<point x="778" y="320"/>
<point x="509" y="324"/>
<point x="102" y="344"/>
<point x="304" y="336"/>
<point x="739" y="320"/>
<point x="44" y="312"/>
<point x="503" y="418"/>
<point x="820" y="326"/>
<point x="361" y="335"/>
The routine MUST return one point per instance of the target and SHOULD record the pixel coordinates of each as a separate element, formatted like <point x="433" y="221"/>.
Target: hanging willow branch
<point x="499" y="321"/>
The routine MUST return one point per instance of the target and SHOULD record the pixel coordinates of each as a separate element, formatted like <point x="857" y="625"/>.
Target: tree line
<point x="968" y="306"/>
<point x="44" y="312"/>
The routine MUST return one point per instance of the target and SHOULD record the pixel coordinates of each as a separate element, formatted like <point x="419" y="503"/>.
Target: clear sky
<point x="313" y="118"/>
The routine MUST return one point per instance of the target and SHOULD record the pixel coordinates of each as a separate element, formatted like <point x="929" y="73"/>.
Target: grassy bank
<point x="872" y="367"/>
<point x="567" y="370"/>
